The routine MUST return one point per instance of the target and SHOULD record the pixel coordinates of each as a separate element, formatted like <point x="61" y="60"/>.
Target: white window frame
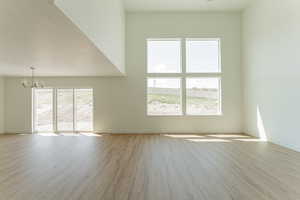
<point x="54" y="104"/>
<point x="183" y="75"/>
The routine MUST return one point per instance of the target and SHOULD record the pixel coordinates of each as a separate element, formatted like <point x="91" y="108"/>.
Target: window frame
<point x="183" y="75"/>
<point x="54" y="105"/>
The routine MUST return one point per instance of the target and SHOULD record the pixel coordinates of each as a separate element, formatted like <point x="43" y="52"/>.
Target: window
<point x="203" y="96"/>
<point x="179" y="88"/>
<point x="164" y="56"/>
<point x="62" y="110"/>
<point x="202" y="56"/>
<point x="164" y="96"/>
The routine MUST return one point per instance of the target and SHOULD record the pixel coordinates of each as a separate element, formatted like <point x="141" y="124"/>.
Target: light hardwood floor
<point x="131" y="167"/>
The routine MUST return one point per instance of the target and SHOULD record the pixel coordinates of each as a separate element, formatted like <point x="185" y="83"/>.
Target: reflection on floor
<point x="217" y="138"/>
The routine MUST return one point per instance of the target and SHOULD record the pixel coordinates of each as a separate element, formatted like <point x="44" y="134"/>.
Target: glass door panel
<point x="84" y="109"/>
<point x="65" y="110"/>
<point x="43" y="110"/>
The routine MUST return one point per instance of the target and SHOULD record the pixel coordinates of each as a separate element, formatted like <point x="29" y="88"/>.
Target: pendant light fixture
<point x="33" y="83"/>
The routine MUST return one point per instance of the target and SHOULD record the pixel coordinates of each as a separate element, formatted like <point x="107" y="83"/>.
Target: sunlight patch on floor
<point x="225" y="138"/>
<point x="208" y="140"/>
<point x="250" y="140"/>
<point x="90" y="134"/>
<point x="229" y="136"/>
<point x="212" y="138"/>
<point x="185" y="136"/>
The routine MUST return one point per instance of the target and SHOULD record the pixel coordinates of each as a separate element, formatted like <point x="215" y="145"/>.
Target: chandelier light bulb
<point x="32" y="83"/>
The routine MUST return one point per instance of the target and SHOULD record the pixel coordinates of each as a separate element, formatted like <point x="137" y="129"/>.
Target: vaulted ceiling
<point x="75" y="37"/>
<point x="37" y="33"/>
<point x="186" y="5"/>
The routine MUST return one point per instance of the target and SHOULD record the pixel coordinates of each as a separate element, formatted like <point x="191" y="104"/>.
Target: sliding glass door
<point x="84" y="109"/>
<point x="43" y="110"/>
<point x="63" y="110"/>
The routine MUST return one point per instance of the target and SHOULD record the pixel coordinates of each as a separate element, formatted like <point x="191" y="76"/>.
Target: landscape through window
<point x="192" y="87"/>
<point x="63" y="110"/>
<point x="164" y="96"/>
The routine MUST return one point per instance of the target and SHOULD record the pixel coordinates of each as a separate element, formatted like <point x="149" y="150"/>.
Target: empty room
<point x="149" y="100"/>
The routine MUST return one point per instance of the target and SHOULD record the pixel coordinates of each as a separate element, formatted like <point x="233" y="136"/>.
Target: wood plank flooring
<point x="144" y="167"/>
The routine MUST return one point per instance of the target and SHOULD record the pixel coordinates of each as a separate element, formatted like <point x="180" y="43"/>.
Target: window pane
<point x="84" y="109"/>
<point x="65" y="109"/>
<point x="164" y="56"/>
<point x="164" y="96"/>
<point x="202" y="56"/>
<point x="43" y="109"/>
<point x="203" y="96"/>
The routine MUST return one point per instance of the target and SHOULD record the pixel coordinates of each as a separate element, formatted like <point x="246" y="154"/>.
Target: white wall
<point x="120" y="102"/>
<point x="103" y="22"/>
<point x="1" y="105"/>
<point x="272" y="71"/>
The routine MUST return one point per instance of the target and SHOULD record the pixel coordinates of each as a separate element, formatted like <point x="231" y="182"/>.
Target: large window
<point x="62" y="110"/>
<point x="184" y="77"/>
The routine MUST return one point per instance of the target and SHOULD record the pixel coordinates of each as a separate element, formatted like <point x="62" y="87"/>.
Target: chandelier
<point x="32" y="83"/>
